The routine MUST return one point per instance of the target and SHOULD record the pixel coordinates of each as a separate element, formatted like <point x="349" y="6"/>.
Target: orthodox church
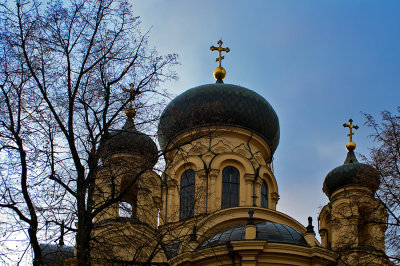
<point x="215" y="202"/>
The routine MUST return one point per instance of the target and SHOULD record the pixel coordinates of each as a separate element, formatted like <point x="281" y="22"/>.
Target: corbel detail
<point x="157" y="201"/>
<point x="249" y="177"/>
<point x="258" y="182"/>
<point x="254" y="162"/>
<point x="275" y="197"/>
<point x="201" y="173"/>
<point x="171" y="183"/>
<point x="214" y="173"/>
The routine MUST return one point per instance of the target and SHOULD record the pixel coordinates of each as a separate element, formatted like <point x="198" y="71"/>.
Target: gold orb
<point x="130" y="112"/>
<point x="350" y="146"/>
<point x="219" y="73"/>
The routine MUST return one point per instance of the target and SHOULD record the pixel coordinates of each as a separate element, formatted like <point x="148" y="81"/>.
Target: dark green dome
<point x="351" y="173"/>
<point x="272" y="232"/>
<point x="219" y="104"/>
<point x="129" y="140"/>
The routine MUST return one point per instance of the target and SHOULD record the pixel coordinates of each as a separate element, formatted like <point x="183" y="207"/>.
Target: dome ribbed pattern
<point x="219" y="104"/>
<point x="129" y="140"/>
<point x="272" y="232"/>
<point x="351" y="173"/>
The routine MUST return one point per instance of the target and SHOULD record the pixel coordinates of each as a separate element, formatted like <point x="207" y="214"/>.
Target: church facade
<point x="215" y="202"/>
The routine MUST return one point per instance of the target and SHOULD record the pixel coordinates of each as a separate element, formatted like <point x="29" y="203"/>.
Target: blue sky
<point x="318" y="63"/>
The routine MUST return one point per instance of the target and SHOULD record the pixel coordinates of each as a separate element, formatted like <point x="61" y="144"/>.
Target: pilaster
<point x="258" y="191"/>
<point x="248" y="200"/>
<point x="201" y="194"/>
<point x="214" y="195"/>
<point x="173" y="201"/>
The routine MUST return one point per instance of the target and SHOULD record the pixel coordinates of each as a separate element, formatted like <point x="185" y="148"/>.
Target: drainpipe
<point x="207" y="189"/>
<point x="207" y="168"/>
<point x="231" y="252"/>
<point x="207" y="171"/>
<point x="254" y="186"/>
<point x="166" y="195"/>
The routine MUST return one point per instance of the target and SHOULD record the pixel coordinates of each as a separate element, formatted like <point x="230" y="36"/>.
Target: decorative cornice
<point x="275" y="197"/>
<point x="214" y="173"/>
<point x="201" y="173"/>
<point x="157" y="201"/>
<point x="249" y="177"/>
<point x="171" y="183"/>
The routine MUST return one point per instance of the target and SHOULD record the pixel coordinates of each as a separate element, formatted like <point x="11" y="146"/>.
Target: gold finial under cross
<point x="219" y="72"/>
<point x="130" y="112"/>
<point x="350" y="146"/>
<point x="219" y="49"/>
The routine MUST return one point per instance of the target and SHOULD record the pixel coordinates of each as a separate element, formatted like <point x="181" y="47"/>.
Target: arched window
<point x="128" y="205"/>
<point x="230" y="187"/>
<point x="125" y="209"/>
<point x="187" y="194"/>
<point x="264" y="195"/>
<point x="365" y="226"/>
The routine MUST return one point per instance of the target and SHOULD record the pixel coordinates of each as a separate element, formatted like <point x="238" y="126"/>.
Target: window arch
<point x="128" y="204"/>
<point x="264" y="194"/>
<point x="230" y="187"/>
<point x="125" y="209"/>
<point x="365" y="226"/>
<point x="187" y="194"/>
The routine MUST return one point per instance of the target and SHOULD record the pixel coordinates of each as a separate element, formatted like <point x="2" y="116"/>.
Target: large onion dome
<point x="219" y="104"/>
<point x="129" y="140"/>
<point x="351" y="173"/>
<point x="272" y="232"/>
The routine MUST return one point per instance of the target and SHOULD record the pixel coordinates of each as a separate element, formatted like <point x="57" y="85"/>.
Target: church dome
<point x="219" y="104"/>
<point x="269" y="231"/>
<point x="351" y="173"/>
<point x="129" y="140"/>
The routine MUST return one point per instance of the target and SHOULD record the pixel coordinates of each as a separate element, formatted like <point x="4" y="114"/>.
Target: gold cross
<point x="131" y="92"/>
<point x="219" y="49"/>
<point x="350" y="126"/>
<point x="130" y="112"/>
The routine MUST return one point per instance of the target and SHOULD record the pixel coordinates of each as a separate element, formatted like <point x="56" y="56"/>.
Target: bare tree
<point x="18" y="146"/>
<point x="61" y="69"/>
<point x="385" y="157"/>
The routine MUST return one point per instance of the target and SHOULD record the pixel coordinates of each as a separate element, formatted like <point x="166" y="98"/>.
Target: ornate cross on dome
<point x="350" y="126"/>
<point x="130" y="112"/>
<point x="219" y="49"/>
<point x="131" y="92"/>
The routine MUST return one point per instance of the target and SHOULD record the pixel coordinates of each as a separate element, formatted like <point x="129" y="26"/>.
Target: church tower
<point x="219" y="192"/>
<point x="127" y="180"/>
<point x="353" y="223"/>
<point x="216" y="201"/>
<point x="219" y="140"/>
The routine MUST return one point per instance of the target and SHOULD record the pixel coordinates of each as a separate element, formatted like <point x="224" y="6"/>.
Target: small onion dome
<point x="351" y="173"/>
<point x="129" y="140"/>
<point x="219" y="104"/>
<point x="272" y="232"/>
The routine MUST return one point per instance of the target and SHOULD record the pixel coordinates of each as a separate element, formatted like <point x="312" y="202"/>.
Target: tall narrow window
<point x="264" y="195"/>
<point x="230" y="187"/>
<point x="365" y="226"/>
<point x="128" y="204"/>
<point x="125" y="209"/>
<point x="187" y="194"/>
